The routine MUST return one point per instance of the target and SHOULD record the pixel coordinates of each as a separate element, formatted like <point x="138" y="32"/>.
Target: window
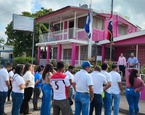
<point x="67" y="54"/>
<point x="54" y="53"/>
<point x="98" y="23"/>
<point x="82" y="22"/>
<point x="57" y="27"/>
<point x="83" y="52"/>
<point x="122" y="29"/>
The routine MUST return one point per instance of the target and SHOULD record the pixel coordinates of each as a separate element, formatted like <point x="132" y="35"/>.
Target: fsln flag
<point x="88" y="27"/>
<point x="110" y="31"/>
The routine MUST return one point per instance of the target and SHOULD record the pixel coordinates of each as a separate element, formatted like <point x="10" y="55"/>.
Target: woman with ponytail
<point x="134" y="84"/>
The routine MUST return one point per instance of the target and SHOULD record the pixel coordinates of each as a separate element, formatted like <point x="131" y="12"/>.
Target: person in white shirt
<point x="4" y="86"/>
<point x="99" y="81"/>
<point x="11" y="74"/>
<point x="116" y="88"/>
<point x="61" y="87"/>
<point x="18" y="85"/>
<point x="29" y="82"/>
<point x="108" y="97"/>
<point x="122" y="64"/>
<point x="70" y="76"/>
<point x="83" y="86"/>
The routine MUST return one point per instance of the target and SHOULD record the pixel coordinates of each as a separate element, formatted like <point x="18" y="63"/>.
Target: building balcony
<point x="71" y="33"/>
<point x="65" y="34"/>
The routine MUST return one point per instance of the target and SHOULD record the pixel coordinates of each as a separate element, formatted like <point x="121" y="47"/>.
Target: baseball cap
<point x="86" y="64"/>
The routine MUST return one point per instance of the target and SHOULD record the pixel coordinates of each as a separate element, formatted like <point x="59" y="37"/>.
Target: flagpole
<point x="90" y="39"/>
<point x="112" y="31"/>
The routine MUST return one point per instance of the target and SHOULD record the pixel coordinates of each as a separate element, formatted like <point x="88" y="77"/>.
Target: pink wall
<point x="59" y="52"/>
<point x="98" y="35"/>
<point x="141" y="52"/>
<point x="73" y="56"/>
<point x="77" y="52"/>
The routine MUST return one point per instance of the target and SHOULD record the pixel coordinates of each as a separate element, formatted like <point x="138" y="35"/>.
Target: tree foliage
<point x="22" y="40"/>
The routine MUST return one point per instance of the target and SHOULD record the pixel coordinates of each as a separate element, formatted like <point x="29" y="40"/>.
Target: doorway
<point x="71" y="25"/>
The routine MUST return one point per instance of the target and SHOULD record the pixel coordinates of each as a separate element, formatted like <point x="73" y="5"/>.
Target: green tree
<point x="22" y="40"/>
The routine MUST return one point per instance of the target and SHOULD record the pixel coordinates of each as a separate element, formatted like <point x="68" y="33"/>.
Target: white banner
<point x="23" y="23"/>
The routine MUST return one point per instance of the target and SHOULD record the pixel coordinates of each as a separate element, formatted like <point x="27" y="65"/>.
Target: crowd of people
<point x="92" y="90"/>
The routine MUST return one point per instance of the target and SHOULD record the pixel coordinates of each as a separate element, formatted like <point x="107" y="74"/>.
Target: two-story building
<point x="67" y="40"/>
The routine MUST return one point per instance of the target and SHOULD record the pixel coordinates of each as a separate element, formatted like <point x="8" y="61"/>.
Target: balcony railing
<point x="65" y="34"/>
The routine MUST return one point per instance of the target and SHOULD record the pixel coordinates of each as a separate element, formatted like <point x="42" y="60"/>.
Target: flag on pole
<point x="88" y="26"/>
<point x="110" y="31"/>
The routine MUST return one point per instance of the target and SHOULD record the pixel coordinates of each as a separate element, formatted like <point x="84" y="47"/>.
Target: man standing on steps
<point x="132" y="61"/>
<point x="84" y="92"/>
<point x="122" y="64"/>
<point x="108" y="97"/>
<point x="116" y="88"/>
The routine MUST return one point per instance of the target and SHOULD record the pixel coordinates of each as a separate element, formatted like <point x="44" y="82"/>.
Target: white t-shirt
<point x="29" y="76"/>
<point x="4" y="76"/>
<point x="98" y="81"/>
<point x="16" y="81"/>
<point x="59" y="88"/>
<point x="11" y="74"/>
<point x="83" y="80"/>
<point x="70" y="76"/>
<point x="108" y="78"/>
<point x="115" y="79"/>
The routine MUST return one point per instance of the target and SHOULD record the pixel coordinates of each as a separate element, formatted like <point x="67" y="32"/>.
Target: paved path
<point x="123" y="107"/>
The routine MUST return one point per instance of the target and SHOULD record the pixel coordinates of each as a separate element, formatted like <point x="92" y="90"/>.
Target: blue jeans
<point x="71" y="96"/>
<point x="3" y="96"/>
<point x="97" y="103"/>
<point x="107" y="103"/>
<point x="46" y="99"/>
<point x="17" y="99"/>
<point x="116" y="98"/>
<point x="82" y="103"/>
<point x="133" y="100"/>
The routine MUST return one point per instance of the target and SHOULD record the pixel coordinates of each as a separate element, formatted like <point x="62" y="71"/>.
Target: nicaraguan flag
<point x="88" y="27"/>
<point x="110" y="31"/>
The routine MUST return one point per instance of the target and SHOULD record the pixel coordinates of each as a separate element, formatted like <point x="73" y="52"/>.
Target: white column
<point x="90" y="40"/>
<point x="74" y="32"/>
<point x="79" y="61"/>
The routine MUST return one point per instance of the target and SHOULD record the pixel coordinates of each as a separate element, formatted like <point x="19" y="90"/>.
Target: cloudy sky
<point x="134" y="9"/>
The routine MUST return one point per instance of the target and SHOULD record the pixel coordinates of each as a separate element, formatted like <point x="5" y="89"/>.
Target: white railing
<point x="68" y="62"/>
<point x="65" y="34"/>
<point x="42" y="61"/>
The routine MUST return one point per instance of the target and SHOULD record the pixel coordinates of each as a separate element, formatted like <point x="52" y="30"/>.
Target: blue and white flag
<point x="88" y="26"/>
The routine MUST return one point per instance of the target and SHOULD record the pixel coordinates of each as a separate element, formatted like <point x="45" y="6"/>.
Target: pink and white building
<point x="69" y="43"/>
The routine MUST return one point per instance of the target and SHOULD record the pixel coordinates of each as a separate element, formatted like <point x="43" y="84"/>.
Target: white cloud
<point x="9" y="7"/>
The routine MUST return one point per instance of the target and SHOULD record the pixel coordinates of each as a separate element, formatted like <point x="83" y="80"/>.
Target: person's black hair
<point x="97" y="68"/>
<point x="114" y="66"/>
<point x="71" y="67"/>
<point x="8" y="65"/>
<point x="133" y="75"/>
<point x="104" y="66"/>
<point x="42" y="66"/>
<point x="26" y="68"/>
<point x="39" y="69"/>
<point x="18" y="70"/>
<point x="48" y="68"/>
<point x="60" y="65"/>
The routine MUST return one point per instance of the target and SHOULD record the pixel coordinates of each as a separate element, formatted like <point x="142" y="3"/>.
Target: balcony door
<point x="71" y="28"/>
